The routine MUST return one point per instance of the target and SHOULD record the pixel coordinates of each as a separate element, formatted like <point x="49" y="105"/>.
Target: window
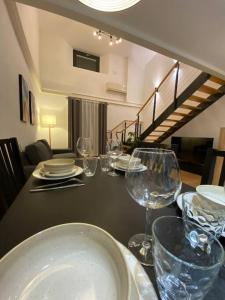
<point x="85" y="61"/>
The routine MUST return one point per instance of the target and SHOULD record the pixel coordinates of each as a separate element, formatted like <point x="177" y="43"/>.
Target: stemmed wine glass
<point x="155" y="185"/>
<point x="114" y="148"/>
<point x="84" y="146"/>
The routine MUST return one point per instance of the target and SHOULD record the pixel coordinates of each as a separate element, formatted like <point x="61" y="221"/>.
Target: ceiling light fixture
<point x="109" y="5"/>
<point x="112" y="38"/>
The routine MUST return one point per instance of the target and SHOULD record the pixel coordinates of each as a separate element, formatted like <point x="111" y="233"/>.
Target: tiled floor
<point x="190" y="178"/>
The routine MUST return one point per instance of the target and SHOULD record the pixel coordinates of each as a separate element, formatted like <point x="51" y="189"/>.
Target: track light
<point x="112" y="38"/>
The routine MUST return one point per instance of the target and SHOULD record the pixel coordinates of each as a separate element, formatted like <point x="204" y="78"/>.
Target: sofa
<point x="41" y="151"/>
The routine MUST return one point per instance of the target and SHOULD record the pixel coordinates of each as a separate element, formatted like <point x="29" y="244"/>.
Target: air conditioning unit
<point x="116" y="87"/>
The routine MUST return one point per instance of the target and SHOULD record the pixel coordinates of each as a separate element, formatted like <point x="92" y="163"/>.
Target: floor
<point x="190" y="178"/>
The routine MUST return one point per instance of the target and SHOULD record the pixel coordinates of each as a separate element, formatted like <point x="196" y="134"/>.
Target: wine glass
<point x="84" y="146"/>
<point x="154" y="185"/>
<point x="114" y="151"/>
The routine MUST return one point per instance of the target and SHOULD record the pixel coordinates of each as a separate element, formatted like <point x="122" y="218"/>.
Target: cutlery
<point x="58" y="183"/>
<point x="55" y="187"/>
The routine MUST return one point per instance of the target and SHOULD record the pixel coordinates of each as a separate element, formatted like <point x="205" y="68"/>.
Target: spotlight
<point x="94" y="33"/>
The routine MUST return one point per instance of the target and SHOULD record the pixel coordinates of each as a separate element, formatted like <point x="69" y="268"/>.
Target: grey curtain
<point x="102" y="117"/>
<point x="88" y="119"/>
<point x="74" y="122"/>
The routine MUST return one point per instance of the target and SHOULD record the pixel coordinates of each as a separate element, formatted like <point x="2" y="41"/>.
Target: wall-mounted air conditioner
<point x="116" y="87"/>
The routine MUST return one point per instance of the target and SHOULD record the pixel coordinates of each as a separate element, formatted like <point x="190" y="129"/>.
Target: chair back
<point x="209" y="167"/>
<point x="12" y="176"/>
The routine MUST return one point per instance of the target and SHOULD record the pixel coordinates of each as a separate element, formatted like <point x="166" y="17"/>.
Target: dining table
<point x="103" y="201"/>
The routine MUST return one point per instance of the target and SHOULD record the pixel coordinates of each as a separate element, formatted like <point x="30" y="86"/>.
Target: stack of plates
<point x="125" y="161"/>
<point x="57" y="169"/>
<point x="73" y="261"/>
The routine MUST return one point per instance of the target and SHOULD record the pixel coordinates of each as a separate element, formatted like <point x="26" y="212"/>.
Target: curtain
<point x="102" y="127"/>
<point x="87" y="119"/>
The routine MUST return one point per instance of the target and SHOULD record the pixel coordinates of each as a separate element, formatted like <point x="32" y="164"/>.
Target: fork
<point x="58" y="183"/>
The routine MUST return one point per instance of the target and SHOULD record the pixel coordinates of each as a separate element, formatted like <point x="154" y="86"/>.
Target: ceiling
<point x="191" y="31"/>
<point x="80" y="37"/>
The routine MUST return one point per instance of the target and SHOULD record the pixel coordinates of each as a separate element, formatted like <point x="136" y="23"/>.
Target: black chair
<point x="12" y="176"/>
<point x="209" y="166"/>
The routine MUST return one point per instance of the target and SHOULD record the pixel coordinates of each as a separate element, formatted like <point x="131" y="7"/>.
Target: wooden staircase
<point x="200" y="94"/>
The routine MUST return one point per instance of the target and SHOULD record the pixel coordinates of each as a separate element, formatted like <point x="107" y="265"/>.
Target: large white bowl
<point x="134" y="162"/>
<point x="214" y="193"/>
<point x="65" y="262"/>
<point x="58" y="165"/>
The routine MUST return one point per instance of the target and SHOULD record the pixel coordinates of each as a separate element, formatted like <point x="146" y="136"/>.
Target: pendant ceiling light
<point x="109" y="5"/>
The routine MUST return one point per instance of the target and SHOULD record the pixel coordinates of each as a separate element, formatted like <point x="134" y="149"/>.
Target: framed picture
<point x="32" y="109"/>
<point x="24" y="99"/>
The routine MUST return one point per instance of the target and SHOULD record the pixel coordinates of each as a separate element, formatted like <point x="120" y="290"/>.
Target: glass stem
<point x="148" y="228"/>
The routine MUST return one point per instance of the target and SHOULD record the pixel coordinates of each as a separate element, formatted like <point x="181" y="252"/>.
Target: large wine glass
<point x="84" y="146"/>
<point x="153" y="183"/>
<point x="114" y="151"/>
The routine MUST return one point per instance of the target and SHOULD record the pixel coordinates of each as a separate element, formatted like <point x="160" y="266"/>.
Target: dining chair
<point x="12" y="176"/>
<point x="210" y="164"/>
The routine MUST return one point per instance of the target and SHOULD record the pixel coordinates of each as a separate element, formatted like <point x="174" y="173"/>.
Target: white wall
<point x="30" y="22"/>
<point x="57" y="105"/>
<point x="58" y="74"/>
<point x="12" y="63"/>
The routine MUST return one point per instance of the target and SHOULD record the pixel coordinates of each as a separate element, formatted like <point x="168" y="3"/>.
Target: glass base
<point x="113" y="174"/>
<point x="141" y="247"/>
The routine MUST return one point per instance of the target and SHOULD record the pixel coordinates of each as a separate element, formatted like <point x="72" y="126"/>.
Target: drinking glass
<point x="84" y="146"/>
<point x="155" y="185"/>
<point x="184" y="270"/>
<point x="104" y="162"/>
<point x="115" y="150"/>
<point x="90" y="166"/>
<point x="207" y="214"/>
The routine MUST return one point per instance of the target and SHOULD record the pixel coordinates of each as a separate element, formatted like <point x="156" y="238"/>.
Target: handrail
<point x="157" y="88"/>
<point x="121" y="123"/>
<point x="127" y="126"/>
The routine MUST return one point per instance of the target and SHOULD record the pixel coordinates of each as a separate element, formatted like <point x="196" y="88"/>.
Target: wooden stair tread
<point x="186" y="106"/>
<point x="179" y="114"/>
<point x="198" y="99"/>
<point x="208" y="90"/>
<point x="217" y="80"/>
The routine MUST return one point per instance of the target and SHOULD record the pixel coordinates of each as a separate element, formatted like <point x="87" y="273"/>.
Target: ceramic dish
<point x="118" y="167"/>
<point x="213" y="192"/>
<point x="38" y="173"/>
<point x="141" y="286"/>
<point x="58" y="165"/>
<point x="69" y="261"/>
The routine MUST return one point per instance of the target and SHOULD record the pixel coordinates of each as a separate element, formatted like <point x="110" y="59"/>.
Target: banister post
<point x="154" y="105"/>
<point x="176" y="85"/>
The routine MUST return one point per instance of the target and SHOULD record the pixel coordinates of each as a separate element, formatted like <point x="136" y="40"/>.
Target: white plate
<point x="213" y="192"/>
<point x="179" y="203"/>
<point x="142" y="288"/>
<point x="66" y="262"/>
<point x="116" y="166"/>
<point x="37" y="174"/>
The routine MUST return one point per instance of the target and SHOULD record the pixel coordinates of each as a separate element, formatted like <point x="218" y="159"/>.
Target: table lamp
<point x="50" y="122"/>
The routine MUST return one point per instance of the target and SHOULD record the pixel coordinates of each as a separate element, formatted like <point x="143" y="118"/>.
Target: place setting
<point x="62" y="171"/>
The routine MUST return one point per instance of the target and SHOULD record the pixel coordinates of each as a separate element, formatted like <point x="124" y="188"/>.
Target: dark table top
<point x="103" y="202"/>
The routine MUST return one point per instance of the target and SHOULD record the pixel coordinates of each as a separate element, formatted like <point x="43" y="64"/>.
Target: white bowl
<point x="58" y="165"/>
<point x="214" y="193"/>
<point x="69" y="261"/>
<point x="125" y="160"/>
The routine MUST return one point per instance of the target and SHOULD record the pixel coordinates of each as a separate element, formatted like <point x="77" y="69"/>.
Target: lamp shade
<point x="48" y="120"/>
<point x="109" y="5"/>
